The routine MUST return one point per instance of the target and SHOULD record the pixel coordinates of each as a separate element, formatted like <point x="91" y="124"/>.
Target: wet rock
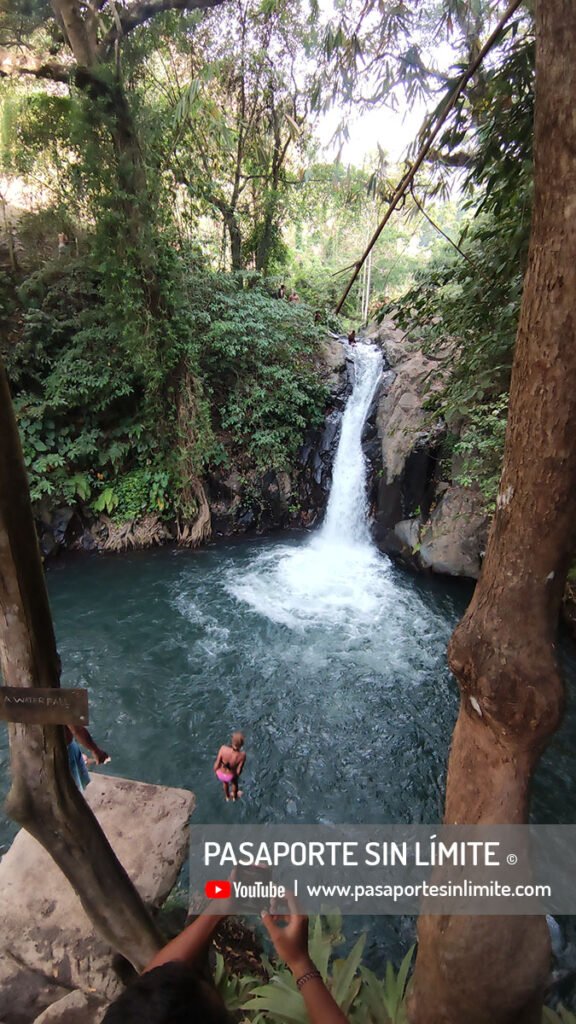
<point x="454" y="540"/>
<point x="403" y="541"/>
<point x="44" y="927"/>
<point x="451" y="542"/>
<point x="394" y="344"/>
<point x="402" y="421"/>
<point x="406" y="472"/>
<point x="429" y="523"/>
<point x="54" y="528"/>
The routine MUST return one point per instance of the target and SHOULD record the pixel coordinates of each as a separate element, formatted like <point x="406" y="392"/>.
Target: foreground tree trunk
<point x="493" y="970"/>
<point x="43" y="797"/>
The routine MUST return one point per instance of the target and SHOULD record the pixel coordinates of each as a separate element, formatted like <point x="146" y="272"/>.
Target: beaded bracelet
<point x="307" y="977"/>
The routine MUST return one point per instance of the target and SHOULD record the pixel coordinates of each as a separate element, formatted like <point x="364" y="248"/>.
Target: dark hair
<point x="171" y="994"/>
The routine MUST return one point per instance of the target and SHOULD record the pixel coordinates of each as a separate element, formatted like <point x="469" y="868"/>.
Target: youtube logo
<point x="218" y="890"/>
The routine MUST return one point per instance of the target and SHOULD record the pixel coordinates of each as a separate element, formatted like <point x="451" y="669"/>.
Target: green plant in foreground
<point x="362" y="996"/>
<point x="561" y="1016"/>
<point x="360" y="993"/>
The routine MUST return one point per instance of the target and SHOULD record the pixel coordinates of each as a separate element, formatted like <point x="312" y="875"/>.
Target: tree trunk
<point x="197" y="526"/>
<point x="235" y="240"/>
<point x="110" y="109"/>
<point x="43" y="796"/>
<point x="493" y="970"/>
<point x="102" y="85"/>
<point x="266" y="240"/>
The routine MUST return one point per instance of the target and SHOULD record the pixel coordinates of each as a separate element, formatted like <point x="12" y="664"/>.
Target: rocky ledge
<point x="53" y="965"/>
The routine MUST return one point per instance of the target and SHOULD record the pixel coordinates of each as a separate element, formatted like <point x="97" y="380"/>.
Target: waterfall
<point x="337" y="577"/>
<point x="346" y="519"/>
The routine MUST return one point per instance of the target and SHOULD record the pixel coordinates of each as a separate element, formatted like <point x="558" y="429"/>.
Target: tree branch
<point x="142" y="12"/>
<point x="18" y="64"/>
<point x="407" y="179"/>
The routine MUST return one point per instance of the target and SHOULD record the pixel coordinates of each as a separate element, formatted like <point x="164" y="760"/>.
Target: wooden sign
<point x="36" y="706"/>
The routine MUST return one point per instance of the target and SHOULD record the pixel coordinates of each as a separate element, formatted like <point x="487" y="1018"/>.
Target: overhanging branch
<point x="139" y="13"/>
<point x="404" y="184"/>
<point x="12" y="65"/>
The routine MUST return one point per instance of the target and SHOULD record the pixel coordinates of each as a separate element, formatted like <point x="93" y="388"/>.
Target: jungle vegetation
<point x="172" y="143"/>
<point x="175" y="152"/>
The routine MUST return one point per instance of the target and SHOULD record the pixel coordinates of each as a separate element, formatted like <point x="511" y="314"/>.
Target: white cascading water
<point x="338" y="576"/>
<point x="346" y="516"/>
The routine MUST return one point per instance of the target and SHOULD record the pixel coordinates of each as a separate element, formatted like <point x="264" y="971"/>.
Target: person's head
<point x="237" y="740"/>
<point x="171" y="994"/>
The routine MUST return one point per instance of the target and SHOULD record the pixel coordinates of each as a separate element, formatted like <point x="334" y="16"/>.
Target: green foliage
<point x="136" y="493"/>
<point x="466" y="309"/>
<point x="257" y="364"/>
<point x="361" y="995"/>
<point x="561" y="1016"/>
<point x="97" y="416"/>
<point x="359" y="992"/>
<point x="34" y="126"/>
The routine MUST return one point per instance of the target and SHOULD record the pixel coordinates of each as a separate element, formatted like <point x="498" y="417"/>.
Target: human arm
<point x="218" y="760"/>
<point x="190" y="945"/>
<point x="240" y="765"/>
<point x="81" y="734"/>
<point x="291" y="944"/>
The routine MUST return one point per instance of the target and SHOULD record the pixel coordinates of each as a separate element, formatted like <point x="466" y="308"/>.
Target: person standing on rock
<point x="77" y="736"/>
<point x="229" y="764"/>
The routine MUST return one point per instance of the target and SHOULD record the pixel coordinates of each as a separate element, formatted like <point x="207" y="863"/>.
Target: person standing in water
<point x="229" y="764"/>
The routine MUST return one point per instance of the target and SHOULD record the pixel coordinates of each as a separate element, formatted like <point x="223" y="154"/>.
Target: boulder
<point x="75" y="1008"/>
<point x="333" y="357"/>
<point x="454" y="539"/>
<point x="393" y="342"/>
<point x="44" y="927"/>
<point x="25" y="993"/>
<point x="404" y="540"/>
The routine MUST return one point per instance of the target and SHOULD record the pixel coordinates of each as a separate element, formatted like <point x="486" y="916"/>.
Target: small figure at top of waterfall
<point x="228" y="765"/>
<point x="281" y="293"/>
<point x="352" y="338"/>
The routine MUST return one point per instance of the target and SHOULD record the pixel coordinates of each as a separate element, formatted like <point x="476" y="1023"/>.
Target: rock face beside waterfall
<point x="427" y="522"/>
